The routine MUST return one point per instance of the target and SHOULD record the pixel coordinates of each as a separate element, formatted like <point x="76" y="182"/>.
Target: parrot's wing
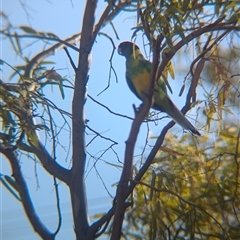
<point x="147" y="64"/>
<point x="161" y="100"/>
<point x="131" y="86"/>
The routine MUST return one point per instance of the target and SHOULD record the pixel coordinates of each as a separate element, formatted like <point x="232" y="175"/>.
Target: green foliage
<point x="24" y="102"/>
<point x="175" y="18"/>
<point x="191" y="192"/>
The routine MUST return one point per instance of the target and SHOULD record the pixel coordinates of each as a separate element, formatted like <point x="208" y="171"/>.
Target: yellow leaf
<point x="227" y="135"/>
<point x="32" y="137"/>
<point x="169" y="67"/>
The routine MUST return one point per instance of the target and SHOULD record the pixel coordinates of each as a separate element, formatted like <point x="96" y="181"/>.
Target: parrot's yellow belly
<point x="141" y="83"/>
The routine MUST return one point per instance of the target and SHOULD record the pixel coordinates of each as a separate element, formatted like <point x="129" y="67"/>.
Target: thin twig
<point x="236" y="156"/>
<point x="109" y="110"/>
<point x="54" y="178"/>
<point x="101" y="136"/>
<point x="70" y="59"/>
<point x="111" y="65"/>
<point x="42" y="37"/>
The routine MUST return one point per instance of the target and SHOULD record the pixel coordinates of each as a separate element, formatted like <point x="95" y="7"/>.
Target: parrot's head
<point x="128" y="49"/>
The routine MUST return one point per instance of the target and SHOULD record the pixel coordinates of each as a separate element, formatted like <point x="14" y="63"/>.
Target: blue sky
<point x="64" y="19"/>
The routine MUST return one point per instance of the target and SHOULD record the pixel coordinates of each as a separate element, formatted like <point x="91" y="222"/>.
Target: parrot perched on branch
<point x="138" y="71"/>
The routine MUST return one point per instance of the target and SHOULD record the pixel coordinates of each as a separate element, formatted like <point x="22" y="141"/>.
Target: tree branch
<point x="49" y="164"/>
<point x="77" y="186"/>
<point x="27" y="204"/>
<point x="54" y="177"/>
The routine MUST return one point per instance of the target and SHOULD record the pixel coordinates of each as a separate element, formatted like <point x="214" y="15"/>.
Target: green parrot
<point x="138" y="71"/>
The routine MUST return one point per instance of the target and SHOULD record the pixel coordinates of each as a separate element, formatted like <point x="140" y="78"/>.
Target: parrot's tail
<point x="178" y="117"/>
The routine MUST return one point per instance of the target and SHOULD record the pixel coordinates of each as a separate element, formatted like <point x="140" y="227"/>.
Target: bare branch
<point x="70" y="59"/>
<point x="101" y="136"/>
<point x="111" y="65"/>
<point x="29" y="209"/>
<point x="108" y="109"/>
<point x="68" y="42"/>
<point x="54" y="178"/>
<point x="49" y="164"/>
<point x="77" y="186"/>
<point x="236" y="156"/>
<point x="108" y="15"/>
